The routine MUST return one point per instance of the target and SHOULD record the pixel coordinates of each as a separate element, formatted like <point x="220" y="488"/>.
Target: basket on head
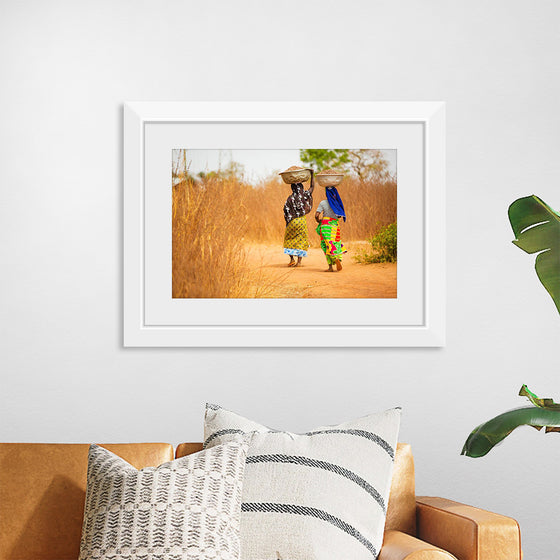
<point x="295" y="174"/>
<point x="329" y="178"/>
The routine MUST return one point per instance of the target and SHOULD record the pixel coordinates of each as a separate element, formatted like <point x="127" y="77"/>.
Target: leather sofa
<point x="42" y="492"/>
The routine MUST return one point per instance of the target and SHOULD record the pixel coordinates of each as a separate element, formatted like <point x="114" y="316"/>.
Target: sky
<point x="257" y="164"/>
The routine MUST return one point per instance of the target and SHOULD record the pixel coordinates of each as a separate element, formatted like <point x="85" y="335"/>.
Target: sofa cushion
<point x="187" y="509"/>
<point x="401" y="509"/>
<point x="42" y="492"/>
<point x="322" y="494"/>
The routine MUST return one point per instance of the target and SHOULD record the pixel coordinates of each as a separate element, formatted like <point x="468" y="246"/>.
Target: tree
<point x="323" y="159"/>
<point x="367" y="165"/>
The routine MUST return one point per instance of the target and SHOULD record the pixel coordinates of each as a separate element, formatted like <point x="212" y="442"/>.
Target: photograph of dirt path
<point x="242" y="230"/>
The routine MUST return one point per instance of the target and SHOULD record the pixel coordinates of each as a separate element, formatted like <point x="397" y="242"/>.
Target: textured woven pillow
<point x="316" y="496"/>
<point x="185" y="509"/>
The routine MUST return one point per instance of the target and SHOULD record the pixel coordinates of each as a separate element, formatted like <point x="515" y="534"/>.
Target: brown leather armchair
<point x="42" y="492"/>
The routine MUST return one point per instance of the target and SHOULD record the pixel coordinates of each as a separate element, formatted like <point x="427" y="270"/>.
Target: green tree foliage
<point x="367" y="165"/>
<point x="324" y="159"/>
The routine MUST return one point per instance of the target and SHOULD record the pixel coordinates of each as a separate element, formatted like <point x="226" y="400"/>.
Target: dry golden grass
<point x="208" y="259"/>
<point x="214" y="219"/>
<point x="369" y="207"/>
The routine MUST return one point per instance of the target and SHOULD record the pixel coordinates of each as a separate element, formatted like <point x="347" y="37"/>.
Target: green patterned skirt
<point x="329" y="231"/>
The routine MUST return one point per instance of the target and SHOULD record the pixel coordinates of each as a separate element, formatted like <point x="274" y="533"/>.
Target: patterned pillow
<point x="187" y="509"/>
<point x="312" y="496"/>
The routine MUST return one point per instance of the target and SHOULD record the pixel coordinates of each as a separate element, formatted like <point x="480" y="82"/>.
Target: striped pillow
<point x="322" y="494"/>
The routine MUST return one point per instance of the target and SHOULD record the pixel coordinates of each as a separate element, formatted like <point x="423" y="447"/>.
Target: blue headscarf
<point x="335" y="202"/>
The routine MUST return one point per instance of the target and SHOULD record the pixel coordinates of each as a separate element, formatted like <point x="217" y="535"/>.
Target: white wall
<point x="66" y="68"/>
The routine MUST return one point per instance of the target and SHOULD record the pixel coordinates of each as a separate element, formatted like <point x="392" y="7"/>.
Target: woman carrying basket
<point x="297" y="206"/>
<point x="328" y="228"/>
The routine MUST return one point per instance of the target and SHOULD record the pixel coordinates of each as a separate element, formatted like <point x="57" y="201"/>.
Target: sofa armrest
<point x="401" y="546"/>
<point x="467" y="532"/>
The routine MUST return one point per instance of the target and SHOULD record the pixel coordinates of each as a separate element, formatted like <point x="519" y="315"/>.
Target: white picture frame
<point x="151" y="317"/>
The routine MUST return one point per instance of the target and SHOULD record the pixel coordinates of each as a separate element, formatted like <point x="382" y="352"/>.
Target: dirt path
<point x="274" y="279"/>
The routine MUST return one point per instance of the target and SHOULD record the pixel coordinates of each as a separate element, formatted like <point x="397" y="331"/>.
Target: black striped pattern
<point x="312" y="512"/>
<point x="221" y="433"/>
<point x="360" y="433"/>
<point x="315" y="463"/>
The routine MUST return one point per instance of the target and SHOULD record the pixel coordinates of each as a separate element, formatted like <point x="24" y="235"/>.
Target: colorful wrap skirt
<point x="296" y="239"/>
<point x="329" y="232"/>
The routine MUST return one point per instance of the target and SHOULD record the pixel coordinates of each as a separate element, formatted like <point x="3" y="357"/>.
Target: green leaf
<point x="537" y="401"/>
<point x="483" y="438"/>
<point x="536" y="227"/>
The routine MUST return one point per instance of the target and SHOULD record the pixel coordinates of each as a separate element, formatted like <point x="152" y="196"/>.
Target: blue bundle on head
<point x="335" y="202"/>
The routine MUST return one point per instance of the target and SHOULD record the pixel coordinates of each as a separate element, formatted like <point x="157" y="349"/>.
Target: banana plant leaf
<point x="544" y="413"/>
<point x="537" y="401"/>
<point x="536" y="227"/>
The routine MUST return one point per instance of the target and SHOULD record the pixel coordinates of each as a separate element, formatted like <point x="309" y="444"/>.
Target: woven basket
<point x="329" y="180"/>
<point x="296" y="175"/>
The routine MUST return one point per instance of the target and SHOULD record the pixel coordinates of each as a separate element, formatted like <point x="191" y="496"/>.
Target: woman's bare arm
<point x="317" y="218"/>
<point x="312" y="184"/>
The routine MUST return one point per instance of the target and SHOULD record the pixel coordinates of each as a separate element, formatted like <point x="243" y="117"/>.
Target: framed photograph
<point x="284" y="224"/>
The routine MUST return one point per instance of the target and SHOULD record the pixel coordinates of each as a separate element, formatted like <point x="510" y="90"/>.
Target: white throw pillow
<point x="321" y="495"/>
<point x="187" y="509"/>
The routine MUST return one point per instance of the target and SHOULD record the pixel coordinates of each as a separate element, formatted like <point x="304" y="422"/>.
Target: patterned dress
<point x="329" y="232"/>
<point x="296" y="238"/>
